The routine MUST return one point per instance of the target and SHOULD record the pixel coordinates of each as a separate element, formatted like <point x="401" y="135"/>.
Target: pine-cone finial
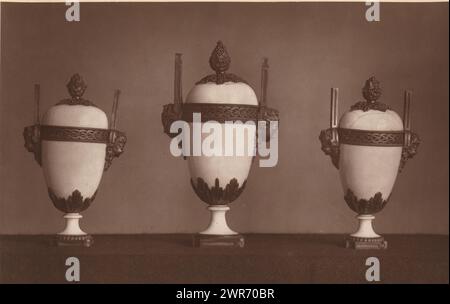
<point x="220" y="60"/>
<point x="371" y="90"/>
<point x="76" y="86"/>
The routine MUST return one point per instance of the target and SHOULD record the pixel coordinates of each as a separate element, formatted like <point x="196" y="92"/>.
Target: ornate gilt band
<point x="371" y="138"/>
<point x="227" y="112"/>
<point x="220" y="112"/>
<point x="76" y="134"/>
<point x="330" y="146"/>
<point x="115" y="140"/>
<point x="216" y="112"/>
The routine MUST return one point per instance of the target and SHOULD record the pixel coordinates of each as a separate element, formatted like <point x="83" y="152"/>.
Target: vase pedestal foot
<point x="365" y="237"/>
<point x="74" y="240"/>
<point x="72" y="235"/>
<point x="366" y="243"/>
<point x="212" y="240"/>
<point x="218" y="233"/>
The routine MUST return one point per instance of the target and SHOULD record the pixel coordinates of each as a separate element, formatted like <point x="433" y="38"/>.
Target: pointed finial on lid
<point x="220" y="60"/>
<point x="76" y="86"/>
<point x="371" y="90"/>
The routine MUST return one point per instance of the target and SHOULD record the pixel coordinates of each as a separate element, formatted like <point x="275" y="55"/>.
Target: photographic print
<point x="259" y="144"/>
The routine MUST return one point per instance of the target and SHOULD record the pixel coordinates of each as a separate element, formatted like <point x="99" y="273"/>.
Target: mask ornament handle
<point x="32" y="134"/>
<point x="117" y="139"/>
<point x="411" y="140"/>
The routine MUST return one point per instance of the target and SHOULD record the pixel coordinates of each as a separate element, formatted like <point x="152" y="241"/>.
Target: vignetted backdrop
<point x="311" y="47"/>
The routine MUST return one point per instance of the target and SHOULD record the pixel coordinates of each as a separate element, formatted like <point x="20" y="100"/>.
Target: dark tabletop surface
<point x="266" y="258"/>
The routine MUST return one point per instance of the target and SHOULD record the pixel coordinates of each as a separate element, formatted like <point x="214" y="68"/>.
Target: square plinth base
<point x="365" y="243"/>
<point x="209" y="240"/>
<point x="74" y="240"/>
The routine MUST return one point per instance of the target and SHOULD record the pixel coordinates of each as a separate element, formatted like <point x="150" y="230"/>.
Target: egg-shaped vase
<point x="219" y="178"/>
<point x="73" y="150"/>
<point x="369" y="146"/>
<point x="75" y="146"/>
<point x="368" y="170"/>
<point x="221" y="114"/>
<point x="368" y="173"/>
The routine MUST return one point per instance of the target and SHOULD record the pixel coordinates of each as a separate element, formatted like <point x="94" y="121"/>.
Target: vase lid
<point x="76" y="88"/>
<point x="220" y="62"/>
<point x="371" y="93"/>
<point x="371" y="114"/>
<point x="222" y="87"/>
<point x="76" y="111"/>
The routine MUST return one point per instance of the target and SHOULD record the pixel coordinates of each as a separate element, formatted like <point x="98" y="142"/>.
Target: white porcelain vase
<point x="226" y="110"/>
<point x="74" y="145"/>
<point x="369" y="146"/>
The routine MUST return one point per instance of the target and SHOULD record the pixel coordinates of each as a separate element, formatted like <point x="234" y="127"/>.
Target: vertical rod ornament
<point x="113" y="123"/>
<point x="407" y="117"/>
<point x="178" y="95"/>
<point x="37" y="94"/>
<point x="334" y="113"/>
<point x="264" y="82"/>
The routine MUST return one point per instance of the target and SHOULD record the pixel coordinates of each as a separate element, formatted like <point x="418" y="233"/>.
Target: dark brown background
<point x="311" y="48"/>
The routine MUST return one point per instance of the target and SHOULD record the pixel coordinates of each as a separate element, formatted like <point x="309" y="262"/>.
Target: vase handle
<point x="330" y="144"/>
<point x="115" y="147"/>
<point x="32" y="137"/>
<point x="412" y="142"/>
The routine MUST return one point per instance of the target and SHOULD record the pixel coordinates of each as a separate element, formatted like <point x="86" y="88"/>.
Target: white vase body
<point x="220" y="169"/>
<point x="368" y="170"/>
<point x="68" y="165"/>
